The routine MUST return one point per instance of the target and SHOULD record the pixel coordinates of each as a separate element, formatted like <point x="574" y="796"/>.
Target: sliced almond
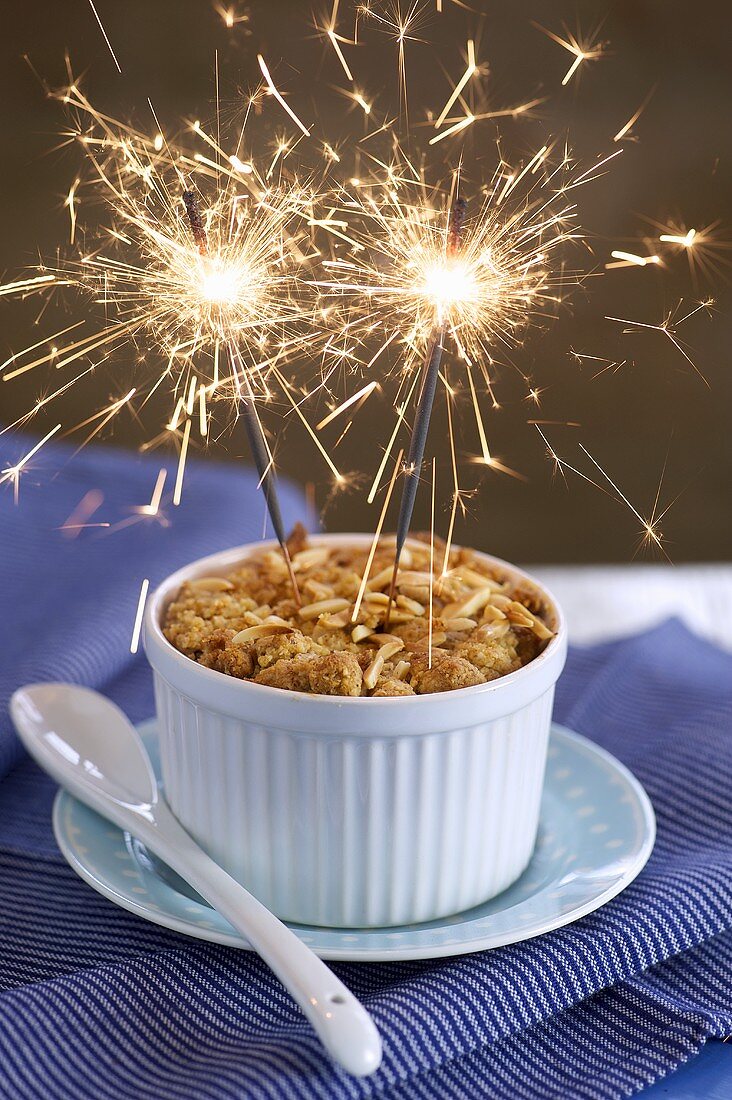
<point x="457" y="625"/>
<point x="317" y="591"/>
<point x="418" y="592"/>
<point x="541" y="630"/>
<point x="322" y="607"/>
<point x="251" y="633"/>
<point x="492" y="614"/>
<point x="334" y="622"/>
<point x="373" y="672"/>
<point x="438" y="638"/>
<point x="306" y="559"/>
<point x="417" y="609"/>
<point x="401" y="669"/>
<point x="474" y="579"/>
<point x="380" y="598"/>
<point x="360" y="632"/>
<point x="398" y="616"/>
<point x="380" y="579"/>
<point x="388" y="650"/>
<point x="410" y="576"/>
<point x="464" y="609"/>
<point x="211" y="584"/>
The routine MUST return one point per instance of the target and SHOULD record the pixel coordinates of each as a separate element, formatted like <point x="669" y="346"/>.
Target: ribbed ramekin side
<point x="357" y="832"/>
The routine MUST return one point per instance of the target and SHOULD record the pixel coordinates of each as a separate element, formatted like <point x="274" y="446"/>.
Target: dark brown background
<point x="679" y="168"/>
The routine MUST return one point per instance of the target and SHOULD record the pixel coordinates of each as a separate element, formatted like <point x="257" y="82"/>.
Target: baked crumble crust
<point x="247" y="625"/>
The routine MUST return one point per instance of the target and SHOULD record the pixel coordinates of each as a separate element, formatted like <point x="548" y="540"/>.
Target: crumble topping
<point x="248" y="625"/>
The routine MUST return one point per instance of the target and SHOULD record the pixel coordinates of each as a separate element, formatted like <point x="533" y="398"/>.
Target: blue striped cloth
<point x="96" y="1003"/>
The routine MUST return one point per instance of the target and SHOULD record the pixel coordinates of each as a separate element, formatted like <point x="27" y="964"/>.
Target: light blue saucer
<point x="597" y="831"/>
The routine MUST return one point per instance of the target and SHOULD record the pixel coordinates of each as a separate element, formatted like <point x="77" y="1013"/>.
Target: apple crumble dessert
<point x="247" y="624"/>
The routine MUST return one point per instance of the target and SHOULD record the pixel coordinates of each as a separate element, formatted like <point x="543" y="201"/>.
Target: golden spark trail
<point x="469" y="72"/>
<point x="377" y="533"/>
<point x="273" y="91"/>
<point x="106" y="39"/>
<point x="178" y="491"/>
<point x="135" y="642"/>
<point x="12" y="473"/>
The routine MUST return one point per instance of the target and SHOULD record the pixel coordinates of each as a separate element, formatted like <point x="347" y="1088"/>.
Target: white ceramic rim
<point x="396" y="954"/>
<point x="359" y="716"/>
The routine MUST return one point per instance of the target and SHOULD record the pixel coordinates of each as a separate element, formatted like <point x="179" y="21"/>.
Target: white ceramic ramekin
<point x="354" y="812"/>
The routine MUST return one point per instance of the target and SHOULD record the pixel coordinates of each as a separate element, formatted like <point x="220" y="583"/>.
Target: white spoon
<point x="87" y="744"/>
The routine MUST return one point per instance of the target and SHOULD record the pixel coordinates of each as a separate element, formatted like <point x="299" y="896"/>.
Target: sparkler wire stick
<point x="424" y="409"/>
<point x="255" y="435"/>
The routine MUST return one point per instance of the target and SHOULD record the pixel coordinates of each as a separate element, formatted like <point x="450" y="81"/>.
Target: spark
<point x="588" y="50"/>
<point x="177" y="492"/>
<point x="230" y="16"/>
<point x="26" y="286"/>
<point x="106" y="39"/>
<point x="12" y="473"/>
<point x="363" y="393"/>
<point x="458" y="126"/>
<point x="686" y="241"/>
<point x="651" y="533"/>
<point x="702" y="246"/>
<point x="90" y="503"/>
<point x="624" y="130"/>
<point x="71" y="202"/>
<point x="377" y="533"/>
<point x="283" y="103"/>
<point x="668" y="328"/>
<point x="153" y="507"/>
<point x="470" y="71"/>
<point x="135" y="642"/>
<point x="629" y="259"/>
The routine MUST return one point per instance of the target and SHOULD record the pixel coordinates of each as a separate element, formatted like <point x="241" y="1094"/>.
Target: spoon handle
<point x="343" y="1025"/>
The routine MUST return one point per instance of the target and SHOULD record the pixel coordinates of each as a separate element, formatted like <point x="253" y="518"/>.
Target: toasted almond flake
<point x="501" y="602"/>
<point x="388" y="650"/>
<point x="473" y="578"/>
<point x="438" y="637"/>
<point x="306" y="559"/>
<point x="417" y="609"/>
<point x="492" y="614"/>
<point x="317" y="591"/>
<point x="418" y="592"/>
<point x="322" y="607"/>
<point x="211" y="584"/>
<point x="456" y="625"/>
<point x="401" y="669"/>
<point x="360" y="632"/>
<point x="382" y="639"/>
<point x="380" y="579"/>
<point x="380" y="598"/>
<point x="373" y="672"/>
<point x="465" y="608"/>
<point x="275" y="559"/>
<point x="400" y="616"/>
<point x="250" y="633"/>
<point x="521" y="616"/>
<point x="410" y="576"/>
<point x="334" y="622"/>
<point x="541" y="630"/>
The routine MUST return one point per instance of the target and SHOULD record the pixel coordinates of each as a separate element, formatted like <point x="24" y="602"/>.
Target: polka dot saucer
<point x="596" y="832"/>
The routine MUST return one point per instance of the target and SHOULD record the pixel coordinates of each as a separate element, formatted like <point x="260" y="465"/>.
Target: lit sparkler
<point x="427" y="284"/>
<point x="202" y="267"/>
